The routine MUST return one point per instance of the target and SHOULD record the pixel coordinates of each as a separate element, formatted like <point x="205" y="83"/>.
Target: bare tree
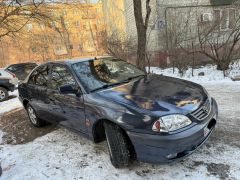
<point x="15" y="15"/>
<point x="141" y="31"/>
<point x="41" y="45"/>
<point x="221" y="46"/>
<point x="119" y="45"/>
<point x="181" y="40"/>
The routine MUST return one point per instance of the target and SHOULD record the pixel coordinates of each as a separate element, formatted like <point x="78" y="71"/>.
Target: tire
<point x="35" y="121"/>
<point x="117" y="145"/>
<point x="3" y="94"/>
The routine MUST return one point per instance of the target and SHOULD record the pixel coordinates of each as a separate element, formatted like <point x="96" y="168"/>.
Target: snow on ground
<point x="10" y="104"/>
<point x="211" y="75"/>
<point x="64" y="155"/>
<point x="6" y="106"/>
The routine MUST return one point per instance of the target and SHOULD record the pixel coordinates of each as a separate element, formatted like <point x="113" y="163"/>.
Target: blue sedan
<point x="154" y="118"/>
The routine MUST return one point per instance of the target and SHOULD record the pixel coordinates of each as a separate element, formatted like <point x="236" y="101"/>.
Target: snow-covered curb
<point x="11" y="104"/>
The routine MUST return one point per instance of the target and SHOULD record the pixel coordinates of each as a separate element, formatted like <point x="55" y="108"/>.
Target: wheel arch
<point x="5" y="87"/>
<point x="25" y="103"/>
<point x="98" y="132"/>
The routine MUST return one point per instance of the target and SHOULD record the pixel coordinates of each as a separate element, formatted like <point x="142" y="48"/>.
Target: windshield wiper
<point x="107" y="86"/>
<point x="115" y="84"/>
<point x="134" y="77"/>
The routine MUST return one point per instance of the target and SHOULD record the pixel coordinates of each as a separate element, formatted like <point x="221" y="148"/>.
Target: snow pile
<point x="10" y="104"/>
<point x="211" y="74"/>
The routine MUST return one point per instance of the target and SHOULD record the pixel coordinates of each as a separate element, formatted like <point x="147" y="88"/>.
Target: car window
<point x="11" y="68"/>
<point x="40" y="76"/>
<point x="28" y="69"/>
<point x="61" y="77"/>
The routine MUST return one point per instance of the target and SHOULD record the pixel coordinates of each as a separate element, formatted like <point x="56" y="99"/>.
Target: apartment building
<point x="169" y="14"/>
<point x="75" y="30"/>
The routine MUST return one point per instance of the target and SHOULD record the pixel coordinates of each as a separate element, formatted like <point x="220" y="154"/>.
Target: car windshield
<point x="103" y="73"/>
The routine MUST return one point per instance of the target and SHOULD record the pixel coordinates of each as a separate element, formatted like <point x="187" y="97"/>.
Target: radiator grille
<point x="202" y="112"/>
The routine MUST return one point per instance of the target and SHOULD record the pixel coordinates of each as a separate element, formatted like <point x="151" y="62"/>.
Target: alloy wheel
<point x="2" y="94"/>
<point x="32" y="115"/>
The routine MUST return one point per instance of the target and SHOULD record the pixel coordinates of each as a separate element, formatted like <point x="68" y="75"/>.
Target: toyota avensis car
<point x="153" y="118"/>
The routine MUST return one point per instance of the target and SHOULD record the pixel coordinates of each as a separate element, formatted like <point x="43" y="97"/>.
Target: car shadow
<point x="18" y="129"/>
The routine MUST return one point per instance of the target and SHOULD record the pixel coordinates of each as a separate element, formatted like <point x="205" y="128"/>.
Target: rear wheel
<point x="117" y="145"/>
<point x="33" y="117"/>
<point x="3" y="94"/>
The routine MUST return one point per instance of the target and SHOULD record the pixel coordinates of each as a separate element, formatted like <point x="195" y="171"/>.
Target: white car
<point x="8" y="82"/>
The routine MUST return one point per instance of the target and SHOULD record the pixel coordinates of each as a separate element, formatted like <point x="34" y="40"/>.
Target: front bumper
<point x="168" y="148"/>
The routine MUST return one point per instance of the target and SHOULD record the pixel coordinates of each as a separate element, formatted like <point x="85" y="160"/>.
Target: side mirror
<point x="68" y="89"/>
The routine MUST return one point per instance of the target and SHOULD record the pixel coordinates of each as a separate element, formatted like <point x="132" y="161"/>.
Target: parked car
<point x="8" y="82"/>
<point x="21" y="70"/>
<point x="156" y="118"/>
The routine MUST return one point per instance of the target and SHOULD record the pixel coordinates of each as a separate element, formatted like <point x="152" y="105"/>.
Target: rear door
<point x="37" y="91"/>
<point x="68" y="107"/>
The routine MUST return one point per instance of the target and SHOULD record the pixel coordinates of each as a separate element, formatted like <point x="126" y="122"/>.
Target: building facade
<point x="75" y="30"/>
<point x="169" y="15"/>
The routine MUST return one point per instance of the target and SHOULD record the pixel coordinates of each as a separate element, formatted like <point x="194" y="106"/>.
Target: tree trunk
<point x="141" y="32"/>
<point x="141" y="52"/>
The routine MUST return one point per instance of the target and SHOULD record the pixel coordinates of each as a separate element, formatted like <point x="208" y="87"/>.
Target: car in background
<point x="155" y="118"/>
<point x="21" y="70"/>
<point x="8" y="82"/>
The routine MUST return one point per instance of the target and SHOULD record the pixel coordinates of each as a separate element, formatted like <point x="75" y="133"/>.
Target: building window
<point x="53" y="24"/>
<point x="77" y="24"/>
<point x="34" y="49"/>
<point x="59" y="48"/>
<point x="99" y="22"/>
<point x="64" y="12"/>
<point x="98" y="10"/>
<point x="29" y="27"/>
<point x="66" y="24"/>
<point x="78" y="34"/>
<point x="42" y="26"/>
<point x="75" y="12"/>
<point x="232" y="18"/>
<point x="45" y="38"/>
<point x="46" y="49"/>
<point x="225" y="18"/>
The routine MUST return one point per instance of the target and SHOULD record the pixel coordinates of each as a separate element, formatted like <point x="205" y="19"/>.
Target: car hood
<point x="159" y="94"/>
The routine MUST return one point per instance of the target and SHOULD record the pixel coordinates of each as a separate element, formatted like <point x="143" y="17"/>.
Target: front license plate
<point x="206" y="131"/>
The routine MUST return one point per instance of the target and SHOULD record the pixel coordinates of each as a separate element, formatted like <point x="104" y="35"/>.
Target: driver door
<point x="68" y="109"/>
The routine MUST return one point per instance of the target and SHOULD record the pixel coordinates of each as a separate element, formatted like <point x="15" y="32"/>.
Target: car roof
<point x="76" y="60"/>
<point x="22" y="64"/>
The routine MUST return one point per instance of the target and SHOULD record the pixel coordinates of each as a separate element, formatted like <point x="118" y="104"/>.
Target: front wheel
<point x="3" y="94"/>
<point x="117" y="145"/>
<point x="33" y="117"/>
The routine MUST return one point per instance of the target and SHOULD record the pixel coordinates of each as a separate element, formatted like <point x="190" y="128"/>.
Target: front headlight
<point x="171" y="123"/>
